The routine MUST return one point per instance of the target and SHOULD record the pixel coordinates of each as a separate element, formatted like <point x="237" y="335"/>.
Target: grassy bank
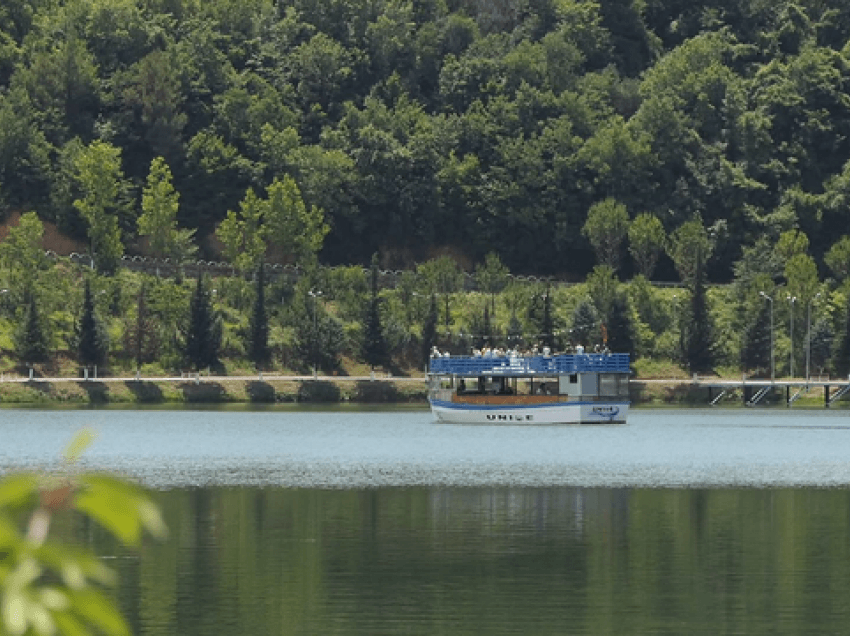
<point x="324" y="390"/>
<point x="335" y="390"/>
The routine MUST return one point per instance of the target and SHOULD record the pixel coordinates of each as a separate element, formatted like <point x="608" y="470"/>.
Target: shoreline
<point x="363" y="390"/>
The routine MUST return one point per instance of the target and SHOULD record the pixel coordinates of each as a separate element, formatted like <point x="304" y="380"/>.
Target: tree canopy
<point x="411" y="128"/>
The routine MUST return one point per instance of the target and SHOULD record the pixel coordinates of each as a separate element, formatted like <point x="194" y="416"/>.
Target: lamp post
<point x="315" y="294"/>
<point x="809" y="335"/>
<point x="772" y="365"/>
<point x="791" y="300"/>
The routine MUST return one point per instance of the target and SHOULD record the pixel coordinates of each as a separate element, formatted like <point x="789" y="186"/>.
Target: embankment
<point x="307" y="390"/>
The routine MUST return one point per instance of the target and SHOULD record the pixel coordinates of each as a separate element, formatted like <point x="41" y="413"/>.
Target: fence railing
<point x="387" y="278"/>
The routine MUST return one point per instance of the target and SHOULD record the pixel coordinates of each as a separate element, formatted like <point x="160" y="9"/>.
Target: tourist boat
<point x="539" y="389"/>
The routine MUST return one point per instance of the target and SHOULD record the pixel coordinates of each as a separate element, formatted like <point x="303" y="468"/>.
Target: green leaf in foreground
<point x="17" y="489"/>
<point x="95" y="608"/>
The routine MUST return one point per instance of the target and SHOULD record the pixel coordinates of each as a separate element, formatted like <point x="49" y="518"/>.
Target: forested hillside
<point x="418" y="125"/>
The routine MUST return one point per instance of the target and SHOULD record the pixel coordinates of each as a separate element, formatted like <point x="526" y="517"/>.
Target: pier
<point x="754" y="391"/>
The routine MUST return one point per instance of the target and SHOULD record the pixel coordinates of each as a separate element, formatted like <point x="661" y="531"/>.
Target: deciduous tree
<point x="22" y="253"/>
<point x="158" y="221"/>
<point x="689" y="245"/>
<point x="606" y="226"/>
<point x="242" y="234"/>
<point x="838" y="258"/>
<point x="646" y="242"/>
<point x="100" y="179"/>
<point x="290" y="225"/>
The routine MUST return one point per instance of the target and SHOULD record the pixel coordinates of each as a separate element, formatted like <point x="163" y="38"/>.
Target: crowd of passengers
<point x="487" y="352"/>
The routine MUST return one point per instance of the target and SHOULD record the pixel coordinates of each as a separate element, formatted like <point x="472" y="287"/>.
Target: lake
<point x="355" y="521"/>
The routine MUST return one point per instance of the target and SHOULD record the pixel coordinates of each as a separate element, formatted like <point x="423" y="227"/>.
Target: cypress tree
<point x="429" y="329"/>
<point x="698" y="342"/>
<point x="141" y="324"/>
<point x="374" y="343"/>
<point x="755" y="345"/>
<point x="204" y="337"/>
<point x="92" y="339"/>
<point x="258" y="335"/>
<point x="31" y="340"/>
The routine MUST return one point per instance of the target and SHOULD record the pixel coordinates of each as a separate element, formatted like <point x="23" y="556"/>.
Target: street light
<point x="791" y="300"/>
<point x="315" y="294"/>
<point x="809" y="335"/>
<point x="772" y="365"/>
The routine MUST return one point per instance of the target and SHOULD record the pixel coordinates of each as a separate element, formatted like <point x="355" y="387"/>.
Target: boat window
<point x="608" y="385"/>
<point x="574" y="378"/>
<point x="613" y="385"/>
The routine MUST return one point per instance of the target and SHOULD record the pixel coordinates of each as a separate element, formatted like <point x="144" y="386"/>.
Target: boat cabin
<point x="515" y="380"/>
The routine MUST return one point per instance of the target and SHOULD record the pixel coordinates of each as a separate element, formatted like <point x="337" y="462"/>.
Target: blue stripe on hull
<point x="460" y="406"/>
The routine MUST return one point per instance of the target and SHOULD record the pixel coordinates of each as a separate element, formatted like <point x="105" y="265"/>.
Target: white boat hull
<point x="607" y="412"/>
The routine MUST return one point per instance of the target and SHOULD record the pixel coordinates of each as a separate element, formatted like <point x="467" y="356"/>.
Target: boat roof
<point x="532" y="365"/>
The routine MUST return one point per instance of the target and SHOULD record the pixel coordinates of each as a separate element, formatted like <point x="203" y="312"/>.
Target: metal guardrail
<point x="387" y="279"/>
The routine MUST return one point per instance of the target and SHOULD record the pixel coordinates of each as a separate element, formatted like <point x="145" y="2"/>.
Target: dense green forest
<point x="706" y="143"/>
<point x="412" y="126"/>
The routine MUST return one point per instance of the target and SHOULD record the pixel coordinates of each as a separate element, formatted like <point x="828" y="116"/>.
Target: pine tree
<point x="841" y="358"/>
<point x="258" y="332"/>
<point x="374" y="343"/>
<point x="823" y="338"/>
<point x="547" y="324"/>
<point x="698" y="341"/>
<point x="141" y="333"/>
<point x="31" y="340"/>
<point x="620" y="327"/>
<point x="204" y="337"/>
<point x="141" y="317"/>
<point x="585" y="324"/>
<point x="515" y="337"/>
<point x="429" y="329"/>
<point x="540" y="316"/>
<point x="92" y="338"/>
<point x="755" y="345"/>
<point x="319" y="339"/>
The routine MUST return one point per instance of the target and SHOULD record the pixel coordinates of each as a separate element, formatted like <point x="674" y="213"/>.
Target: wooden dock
<point x="754" y="391"/>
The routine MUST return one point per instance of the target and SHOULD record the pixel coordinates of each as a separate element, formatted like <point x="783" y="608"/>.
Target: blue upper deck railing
<point x="558" y="364"/>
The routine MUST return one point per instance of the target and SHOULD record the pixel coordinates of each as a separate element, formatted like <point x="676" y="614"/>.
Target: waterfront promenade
<point x="707" y="390"/>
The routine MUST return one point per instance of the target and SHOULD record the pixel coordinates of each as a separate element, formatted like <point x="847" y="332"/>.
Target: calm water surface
<point x="347" y="448"/>
<point x="353" y="522"/>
